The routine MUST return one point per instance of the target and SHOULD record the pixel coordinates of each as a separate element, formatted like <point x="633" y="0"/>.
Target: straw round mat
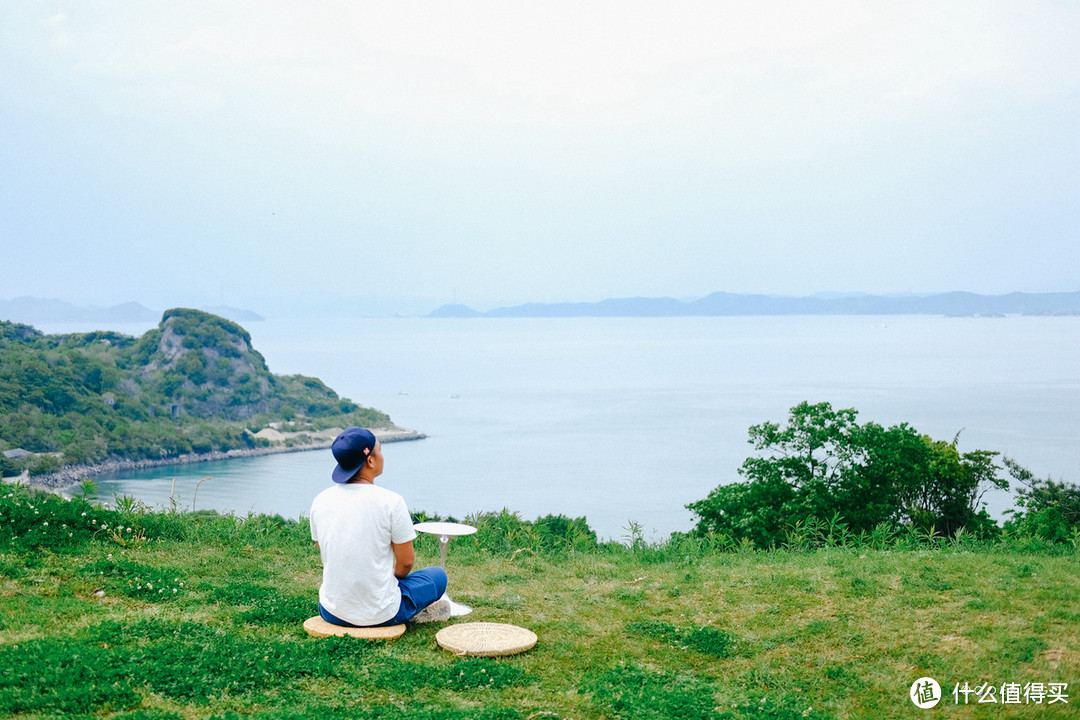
<point x="485" y="639"/>
<point x="317" y="627"/>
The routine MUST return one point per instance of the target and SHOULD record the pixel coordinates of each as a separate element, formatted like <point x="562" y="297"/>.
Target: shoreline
<point x="71" y="475"/>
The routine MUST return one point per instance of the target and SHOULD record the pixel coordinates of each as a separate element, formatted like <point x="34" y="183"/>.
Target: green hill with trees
<point x="193" y="384"/>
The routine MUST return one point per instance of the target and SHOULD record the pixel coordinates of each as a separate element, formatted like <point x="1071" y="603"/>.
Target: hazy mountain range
<point x="721" y="303"/>
<point x="32" y="310"/>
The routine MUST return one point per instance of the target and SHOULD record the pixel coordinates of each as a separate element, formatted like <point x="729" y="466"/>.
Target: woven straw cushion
<point x="485" y="639"/>
<point x="317" y="627"/>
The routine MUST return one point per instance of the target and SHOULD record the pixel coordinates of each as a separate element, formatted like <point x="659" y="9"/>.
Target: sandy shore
<point x="73" y="474"/>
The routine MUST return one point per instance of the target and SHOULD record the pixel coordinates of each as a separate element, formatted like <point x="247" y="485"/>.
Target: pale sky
<point x="278" y="155"/>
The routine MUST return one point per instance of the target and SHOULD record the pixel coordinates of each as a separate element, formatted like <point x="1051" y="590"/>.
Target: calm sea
<point x="629" y="419"/>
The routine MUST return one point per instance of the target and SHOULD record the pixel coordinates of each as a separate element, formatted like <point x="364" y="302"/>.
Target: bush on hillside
<point x="32" y="519"/>
<point x="823" y="464"/>
<point x="1045" y="509"/>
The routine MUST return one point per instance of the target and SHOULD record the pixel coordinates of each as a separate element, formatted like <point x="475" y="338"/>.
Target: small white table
<point x="445" y="531"/>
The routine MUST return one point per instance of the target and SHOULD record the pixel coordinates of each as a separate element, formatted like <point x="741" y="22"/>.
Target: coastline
<point x="71" y="475"/>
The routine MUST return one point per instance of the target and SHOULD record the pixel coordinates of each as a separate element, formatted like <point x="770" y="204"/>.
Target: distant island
<point x="731" y="304"/>
<point x="192" y="388"/>
<point x="31" y="310"/>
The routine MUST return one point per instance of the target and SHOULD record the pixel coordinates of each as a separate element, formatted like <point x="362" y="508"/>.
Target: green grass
<point x="671" y="630"/>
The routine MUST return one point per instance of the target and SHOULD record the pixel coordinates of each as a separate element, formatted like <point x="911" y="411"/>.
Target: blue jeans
<point x="418" y="590"/>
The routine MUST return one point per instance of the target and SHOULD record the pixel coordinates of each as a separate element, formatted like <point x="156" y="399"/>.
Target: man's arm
<point x="404" y="557"/>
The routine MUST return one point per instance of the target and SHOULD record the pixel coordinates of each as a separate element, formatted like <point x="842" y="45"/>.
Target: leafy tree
<point x="951" y="488"/>
<point x="812" y="453"/>
<point x="823" y="464"/>
<point x="757" y="510"/>
<point x="892" y="460"/>
<point x="1045" y="508"/>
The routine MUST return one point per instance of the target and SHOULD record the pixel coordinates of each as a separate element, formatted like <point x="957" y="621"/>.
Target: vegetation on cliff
<point x="193" y="384"/>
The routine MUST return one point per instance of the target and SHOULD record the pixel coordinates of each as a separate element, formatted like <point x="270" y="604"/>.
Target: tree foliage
<point x="824" y="464"/>
<point x="1044" y="508"/>
<point x="193" y="384"/>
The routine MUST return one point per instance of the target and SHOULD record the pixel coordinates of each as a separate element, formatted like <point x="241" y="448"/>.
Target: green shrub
<point x="34" y="519"/>
<point x="559" y="532"/>
<point x="1044" y="508"/>
<point x="822" y="464"/>
<point x="30" y="520"/>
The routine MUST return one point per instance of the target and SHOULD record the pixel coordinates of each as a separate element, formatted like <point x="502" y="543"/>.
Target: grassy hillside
<point x="193" y="384"/>
<point x="134" y="614"/>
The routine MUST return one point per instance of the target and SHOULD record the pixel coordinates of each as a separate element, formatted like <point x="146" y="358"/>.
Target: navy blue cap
<point x="351" y="449"/>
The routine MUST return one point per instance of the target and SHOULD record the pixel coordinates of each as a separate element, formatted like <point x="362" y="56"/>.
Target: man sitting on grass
<point x="365" y="537"/>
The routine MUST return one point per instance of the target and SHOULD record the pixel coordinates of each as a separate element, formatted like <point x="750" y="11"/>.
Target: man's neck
<point x="361" y="480"/>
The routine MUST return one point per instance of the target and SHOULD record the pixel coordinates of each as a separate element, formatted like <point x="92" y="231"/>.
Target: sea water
<point x="626" y="420"/>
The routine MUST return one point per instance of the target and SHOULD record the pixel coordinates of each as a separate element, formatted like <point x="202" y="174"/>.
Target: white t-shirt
<point x="354" y="524"/>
